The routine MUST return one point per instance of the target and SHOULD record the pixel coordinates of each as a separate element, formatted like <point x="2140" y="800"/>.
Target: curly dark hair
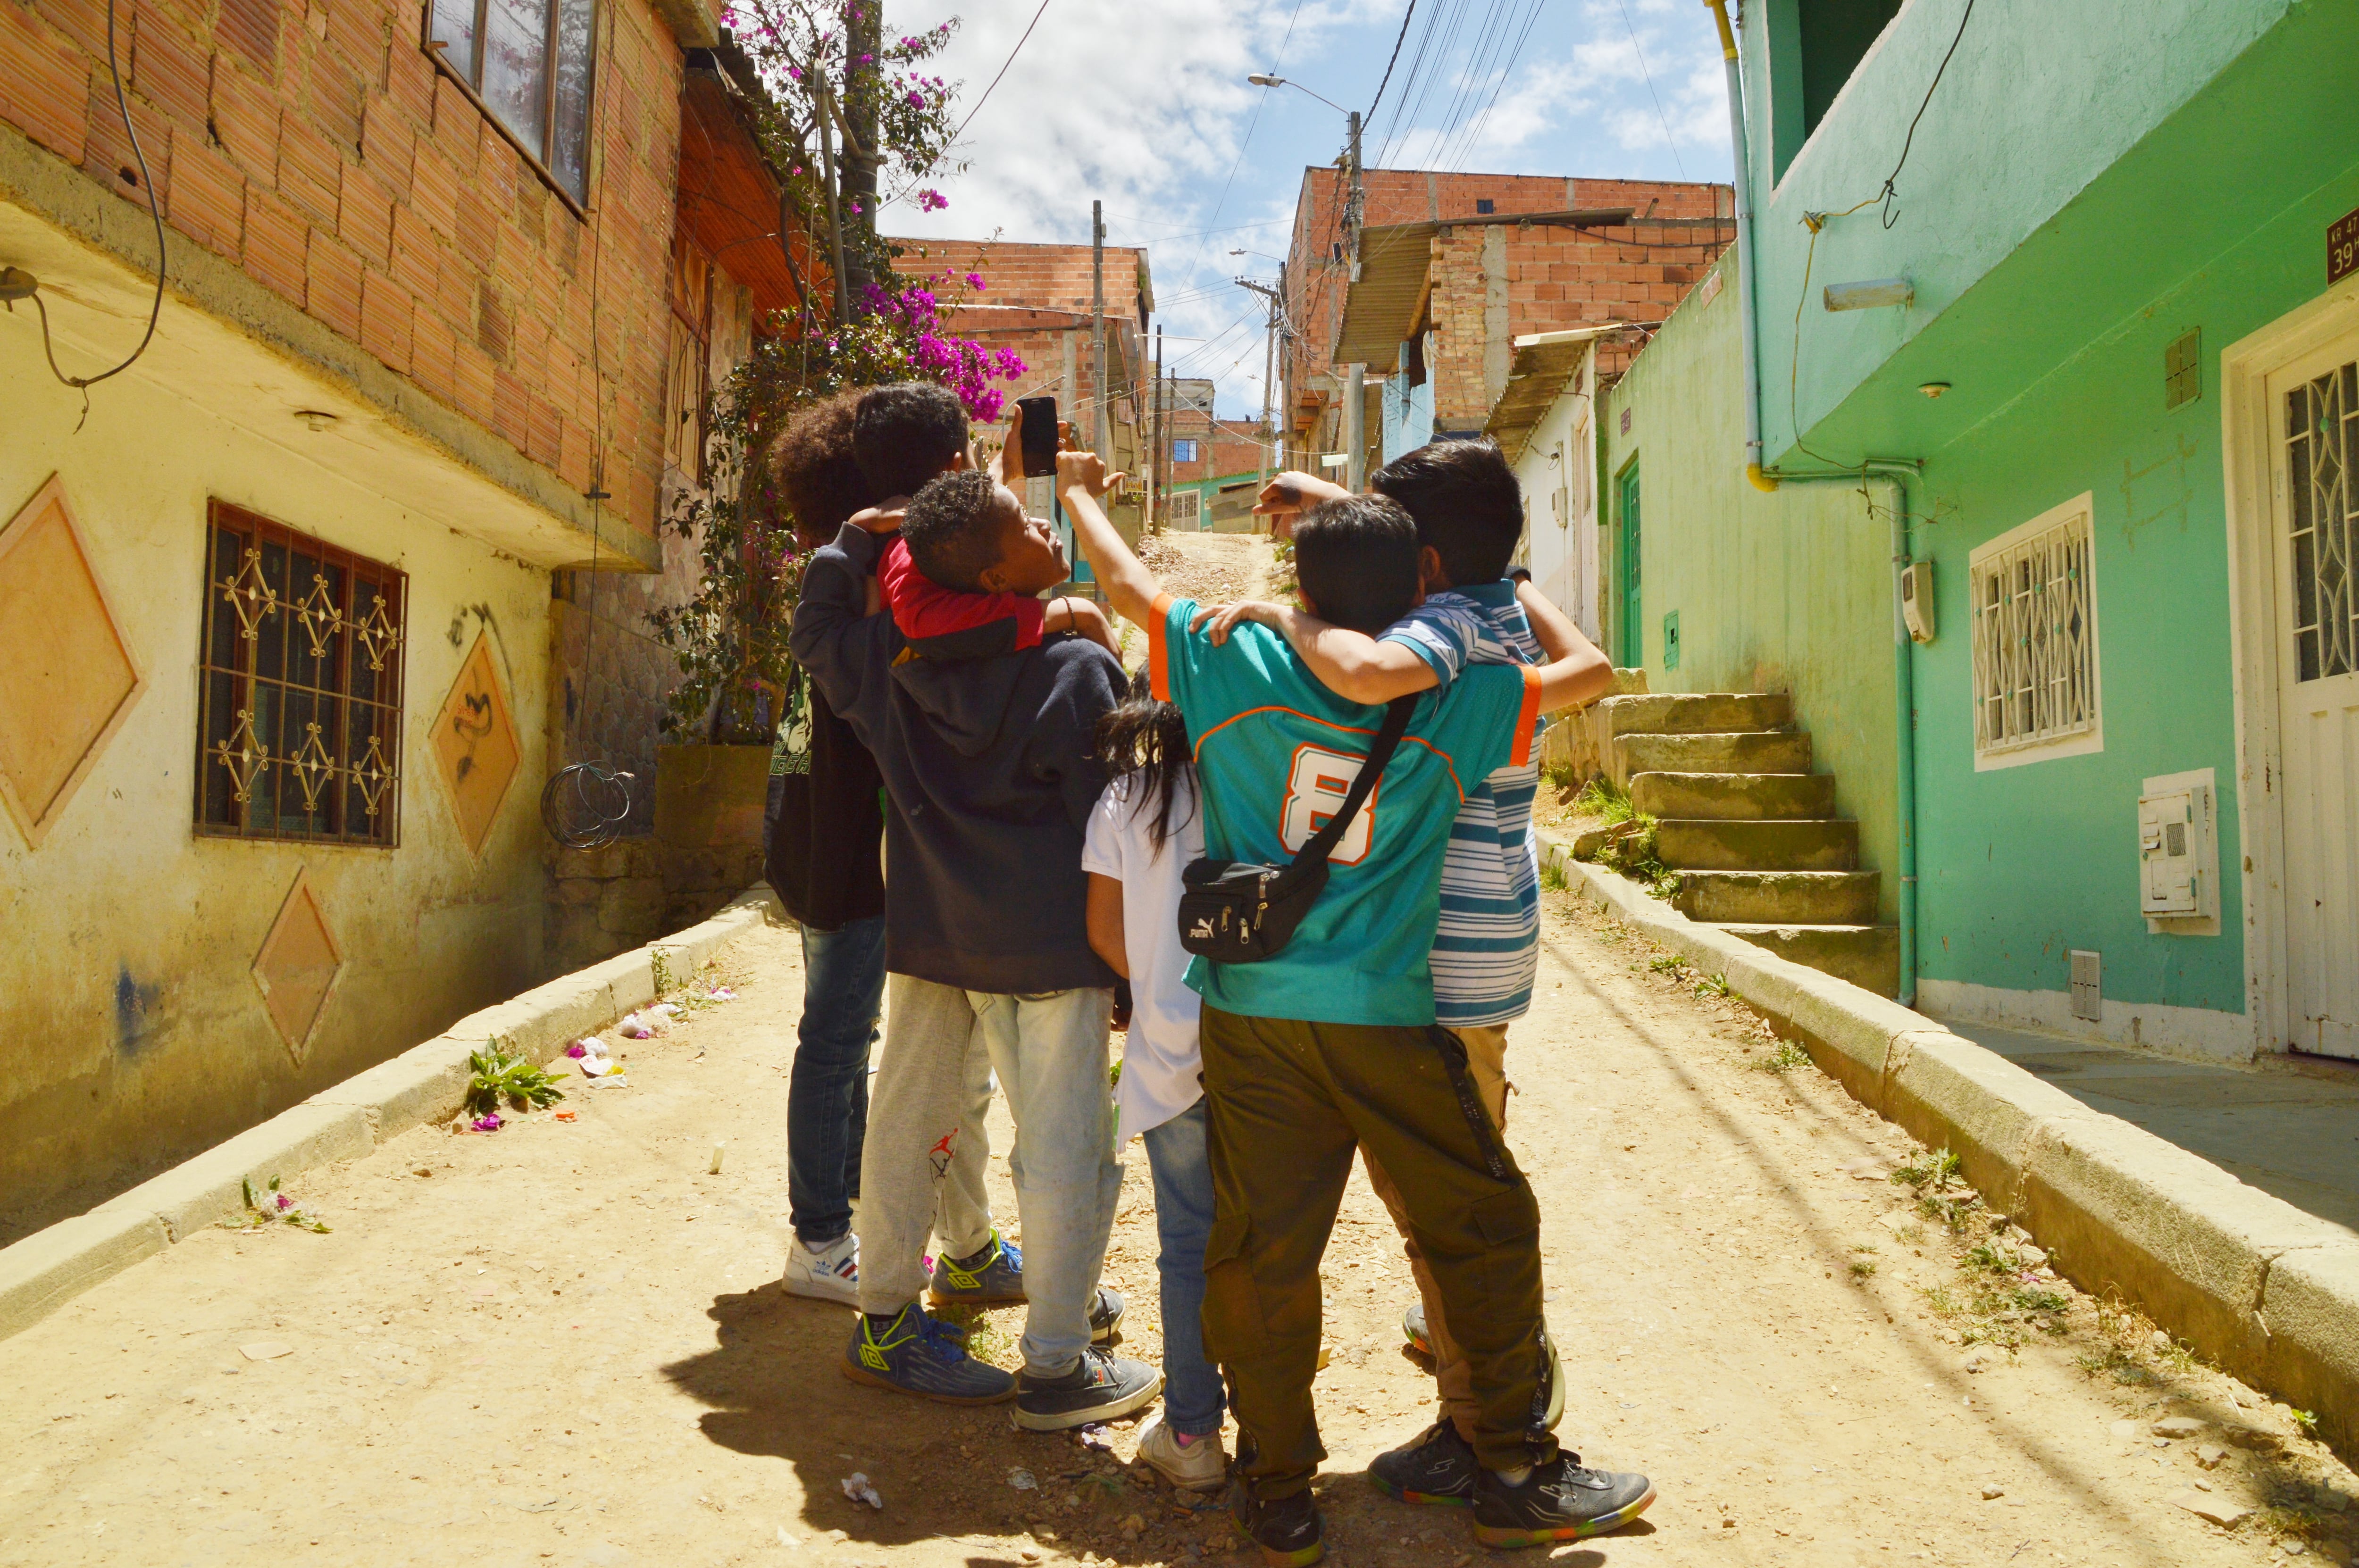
<point x="909" y="432"/>
<point x="807" y="475"/>
<point x="951" y="529"/>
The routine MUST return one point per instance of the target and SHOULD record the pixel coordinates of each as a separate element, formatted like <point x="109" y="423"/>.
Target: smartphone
<point x="1039" y="454"/>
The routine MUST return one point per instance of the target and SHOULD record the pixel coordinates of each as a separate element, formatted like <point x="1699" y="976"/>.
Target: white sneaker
<point x="1199" y="1467"/>
<point x="830" y="1274"/>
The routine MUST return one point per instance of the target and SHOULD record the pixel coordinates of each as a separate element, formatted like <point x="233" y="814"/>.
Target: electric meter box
<point x="2179" y="854"/>
<point x="1917" y="600"/>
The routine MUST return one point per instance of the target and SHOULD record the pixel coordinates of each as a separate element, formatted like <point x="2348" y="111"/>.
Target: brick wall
<point x="1223" y="447"/>
<point x="313" y="142"/>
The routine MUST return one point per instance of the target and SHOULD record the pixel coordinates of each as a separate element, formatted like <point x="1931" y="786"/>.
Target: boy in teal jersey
<point x="1329" y="1046"/>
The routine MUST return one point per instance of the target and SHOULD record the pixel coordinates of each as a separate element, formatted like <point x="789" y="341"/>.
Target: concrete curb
<point x="425" y="1083"/>
<point x="2267" y="1291"/>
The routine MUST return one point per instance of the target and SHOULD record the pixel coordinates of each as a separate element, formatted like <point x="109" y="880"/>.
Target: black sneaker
<point x="1438" y="1468"/>
<point x="1561" y="1500"/>
<point x="1285" y="1528"/>
<point x="1101" y="1387"/>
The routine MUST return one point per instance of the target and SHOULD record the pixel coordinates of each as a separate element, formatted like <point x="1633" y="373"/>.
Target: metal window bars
<point x="2321" y="450"/>
<point x="298" y="687"/>
<point x="2035" y="650"/>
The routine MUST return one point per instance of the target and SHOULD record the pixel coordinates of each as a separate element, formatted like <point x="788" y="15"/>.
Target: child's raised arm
<point x="1130" y="587"/>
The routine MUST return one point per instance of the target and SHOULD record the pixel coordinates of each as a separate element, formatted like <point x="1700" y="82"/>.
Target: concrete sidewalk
<point x="2292" y="1131"/>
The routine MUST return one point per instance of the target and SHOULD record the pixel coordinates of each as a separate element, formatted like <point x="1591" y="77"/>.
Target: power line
<point x="1473" y="137"/>
<point x="1387" y="77"/>
<point x="1671" y="140"/>
<point x="1196" y="265"/>
<point x="979" y="103"/>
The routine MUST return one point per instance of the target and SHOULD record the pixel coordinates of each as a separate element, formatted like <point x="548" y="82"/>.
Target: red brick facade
<point x="1556" y="278"/>
<point x="313" y="142"/>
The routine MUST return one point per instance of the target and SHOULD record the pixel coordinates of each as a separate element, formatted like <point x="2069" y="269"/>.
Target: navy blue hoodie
<point x="987" y="764"/>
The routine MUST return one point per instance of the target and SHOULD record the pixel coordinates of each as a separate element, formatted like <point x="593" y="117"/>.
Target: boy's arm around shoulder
<point x="1130" y="587"/>
<point x="1357" y="667"/>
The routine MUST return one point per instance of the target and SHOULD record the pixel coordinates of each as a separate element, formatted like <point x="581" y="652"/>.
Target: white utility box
<point x="1917" y="600"/>
<point x="2179" y="854"/>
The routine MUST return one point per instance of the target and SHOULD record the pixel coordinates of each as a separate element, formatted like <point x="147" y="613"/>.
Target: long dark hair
<point x="1148" y="740"/>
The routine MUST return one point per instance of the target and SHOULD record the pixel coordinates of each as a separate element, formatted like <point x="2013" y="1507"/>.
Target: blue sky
<point x="1144" y="105"/>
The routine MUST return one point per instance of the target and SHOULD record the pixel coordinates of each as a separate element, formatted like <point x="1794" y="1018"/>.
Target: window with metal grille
<point x="2035" y="640"/>
<point x="1183" y="451"/>
<point x="527" y="64"/>
<point x="2321" y="449"/>
<point x="299" y="728"/>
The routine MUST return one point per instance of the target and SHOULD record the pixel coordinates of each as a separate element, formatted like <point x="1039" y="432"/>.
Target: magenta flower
<point x="285" y="1203"/>
<point x="491" y="1123"/>
<point x="576" y="1051"/>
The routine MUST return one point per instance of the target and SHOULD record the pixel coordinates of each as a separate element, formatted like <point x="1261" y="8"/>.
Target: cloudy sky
<point x="1144" y="105"/>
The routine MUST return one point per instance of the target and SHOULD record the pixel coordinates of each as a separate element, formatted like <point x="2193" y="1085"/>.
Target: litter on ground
<point x="856" y="1488"/>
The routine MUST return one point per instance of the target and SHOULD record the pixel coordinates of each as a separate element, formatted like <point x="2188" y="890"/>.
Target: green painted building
<point x="2062" y="332"/>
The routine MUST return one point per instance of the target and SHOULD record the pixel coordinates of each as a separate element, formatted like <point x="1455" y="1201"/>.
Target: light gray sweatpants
<point x="1050" y="1054"/>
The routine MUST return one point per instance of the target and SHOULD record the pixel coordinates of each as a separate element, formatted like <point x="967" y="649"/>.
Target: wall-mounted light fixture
<point x="1873" y="294"/>
<point x="316" y="418"/>
<point x="1934" y="388"/>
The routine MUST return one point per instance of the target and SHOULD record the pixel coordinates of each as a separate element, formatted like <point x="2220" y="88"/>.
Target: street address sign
<point x="2342" y="247"/>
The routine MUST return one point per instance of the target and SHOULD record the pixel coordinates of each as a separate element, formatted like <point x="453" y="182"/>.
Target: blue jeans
<point x="827" y="1101"/>
<point x="1183" y="1223"/>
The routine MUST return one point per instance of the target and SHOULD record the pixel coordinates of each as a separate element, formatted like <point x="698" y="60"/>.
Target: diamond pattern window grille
<point x="2321" y="450"/>
<point x="299" y="688"/>
<point x="2035" y="640"/>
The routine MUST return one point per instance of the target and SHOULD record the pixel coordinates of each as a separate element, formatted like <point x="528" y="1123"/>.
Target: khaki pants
<point x="1288" y="1102"/>
<point x="1486" y="1059"/>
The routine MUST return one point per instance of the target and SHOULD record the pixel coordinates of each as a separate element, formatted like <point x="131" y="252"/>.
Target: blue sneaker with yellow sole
<point x="913" y="1354"/>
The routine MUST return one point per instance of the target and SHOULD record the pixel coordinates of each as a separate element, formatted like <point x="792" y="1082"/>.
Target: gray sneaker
<point x="1101" y="1387"/>
<point x="916" y="1354"/>
<point x="993" y="1277"/>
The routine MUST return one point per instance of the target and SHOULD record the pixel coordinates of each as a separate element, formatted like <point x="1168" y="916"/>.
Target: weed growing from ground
<point x="1629" y="847"/>
<point x="1712" y="986"/>
<point x="500" y="1077"/>
<point x="1666" y="964"/>
<point x="1552" y="877"/>
<point x="1787" y="1058"/>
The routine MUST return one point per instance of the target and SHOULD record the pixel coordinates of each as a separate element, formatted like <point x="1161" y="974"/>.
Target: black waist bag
<point x="1240" y="912"/>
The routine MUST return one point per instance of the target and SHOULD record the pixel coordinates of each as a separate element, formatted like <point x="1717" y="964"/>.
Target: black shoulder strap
<point x="1322" y="843"/>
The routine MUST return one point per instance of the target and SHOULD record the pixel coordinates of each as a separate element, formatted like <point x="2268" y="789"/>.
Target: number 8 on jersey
<point x="1314" y="793"/>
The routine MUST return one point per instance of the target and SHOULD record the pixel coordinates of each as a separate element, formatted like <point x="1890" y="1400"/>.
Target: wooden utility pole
<point x="1355" y="402"/>
<point x="1155" y="473"/>
<point x="1099" y="436"/>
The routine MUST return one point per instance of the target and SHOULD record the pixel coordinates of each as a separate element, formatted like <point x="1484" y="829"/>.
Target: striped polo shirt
<point x="1486" y="949"/>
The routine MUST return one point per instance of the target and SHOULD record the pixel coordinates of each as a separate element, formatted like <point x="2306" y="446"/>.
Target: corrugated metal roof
<point x="1544" y="361"/>
<point x="1380" y="310"/>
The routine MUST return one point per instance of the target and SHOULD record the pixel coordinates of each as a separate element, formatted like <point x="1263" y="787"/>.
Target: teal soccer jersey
<point x="1275" y="752"/>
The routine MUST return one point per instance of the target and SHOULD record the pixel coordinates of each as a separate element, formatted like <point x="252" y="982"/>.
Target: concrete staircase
<point x="1751" y="830"/>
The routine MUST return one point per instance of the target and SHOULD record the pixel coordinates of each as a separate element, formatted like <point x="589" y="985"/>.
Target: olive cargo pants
<point x="1288" y="1102"/>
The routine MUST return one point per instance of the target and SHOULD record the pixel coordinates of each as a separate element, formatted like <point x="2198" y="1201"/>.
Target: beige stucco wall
<point x="131" y="1029"/>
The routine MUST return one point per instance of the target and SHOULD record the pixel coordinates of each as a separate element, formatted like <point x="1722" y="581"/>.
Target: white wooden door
<point x="2314" y="414"/>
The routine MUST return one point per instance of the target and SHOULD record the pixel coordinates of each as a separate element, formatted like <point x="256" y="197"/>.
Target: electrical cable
<point x="1473" y="137"/>
<point x="1386" y="80"/>
<point x="1197" y="265"/>
<point x="83" y="383"/>
<point x="600" y="796"/>
<point x="1669" y="140"/>
<point x="1817" y="222"/>
<point x="979" y="103"/>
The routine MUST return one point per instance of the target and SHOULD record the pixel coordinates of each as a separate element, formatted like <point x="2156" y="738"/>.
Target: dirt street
<point x="565" y="1343"/>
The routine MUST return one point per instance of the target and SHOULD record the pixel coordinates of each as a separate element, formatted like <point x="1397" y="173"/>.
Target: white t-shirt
<point x="1162" y="1063"/>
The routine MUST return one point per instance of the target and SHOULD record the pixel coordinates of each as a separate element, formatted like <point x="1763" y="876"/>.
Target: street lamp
<point x="1261" y="81"/>
<point x="1354" y="207"/>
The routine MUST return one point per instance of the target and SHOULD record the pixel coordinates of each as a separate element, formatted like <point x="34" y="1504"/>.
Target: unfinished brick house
<point x="1455" y="267"/>
<point x="299" y="678"/>
<point x="1212" y="466"/>
<point x="1038" y="301"/>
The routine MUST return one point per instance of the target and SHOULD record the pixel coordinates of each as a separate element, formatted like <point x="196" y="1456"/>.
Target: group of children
<point x="1040" y="806"/>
